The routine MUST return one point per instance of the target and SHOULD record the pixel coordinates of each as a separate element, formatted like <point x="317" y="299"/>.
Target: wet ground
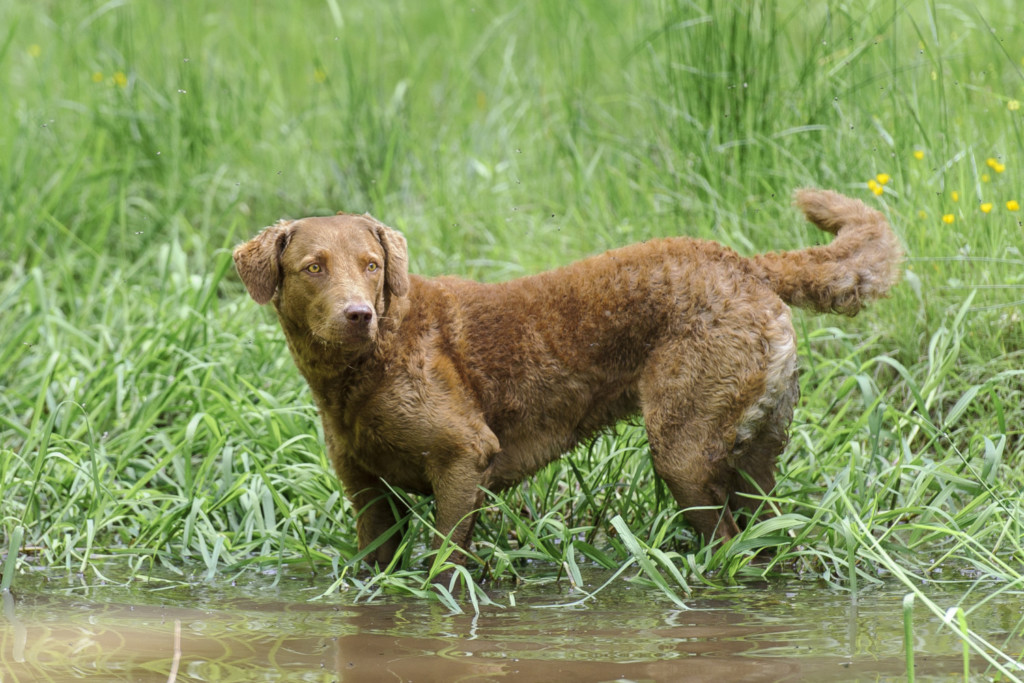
<point x="261" y="629"/>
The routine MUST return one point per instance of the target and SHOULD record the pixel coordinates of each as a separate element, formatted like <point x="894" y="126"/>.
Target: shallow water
<point x="60" y="629"/>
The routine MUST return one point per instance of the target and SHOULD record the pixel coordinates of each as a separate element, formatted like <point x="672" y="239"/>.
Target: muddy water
<point x="61" y="629"/>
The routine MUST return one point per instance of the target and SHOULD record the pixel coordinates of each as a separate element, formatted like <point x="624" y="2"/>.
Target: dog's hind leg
<point x="701" y="396"/>
<point x="689" y="450"/>
<point x="763" y="431"/>
<point x="697" y="474"/>
<point x="753" y="462"/>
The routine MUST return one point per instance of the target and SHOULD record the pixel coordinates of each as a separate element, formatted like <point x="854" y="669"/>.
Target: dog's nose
<point x="358" y="314"/>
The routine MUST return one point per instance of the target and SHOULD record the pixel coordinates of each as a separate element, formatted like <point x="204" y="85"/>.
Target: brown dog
<point x="445" y="386"/>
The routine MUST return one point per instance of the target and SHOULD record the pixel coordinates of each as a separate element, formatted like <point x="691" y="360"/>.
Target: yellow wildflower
<point x="985" y="177"/>
<point x="922" y="215"/>
<point x="919" y="154"/>
<point x="1012" y="205"/>
<point x="875" y="187"/>
<point x="986" y="207"/>
<point x="995" y="165"/>
<point x="34" y="50"/>
<point x="955" y="195"/>
<point x="120" y="79"/>
<point x="1013" y="105"/>
<point x="948" y="218"/>
<point x="882" y="178"/>
<point x="97" y="76"/>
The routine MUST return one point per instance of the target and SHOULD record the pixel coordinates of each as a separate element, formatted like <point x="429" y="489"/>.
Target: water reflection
<point x="256" y="632"/>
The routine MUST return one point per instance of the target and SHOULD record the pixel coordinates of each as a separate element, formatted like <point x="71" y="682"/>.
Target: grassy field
<point x="150" y="413"/>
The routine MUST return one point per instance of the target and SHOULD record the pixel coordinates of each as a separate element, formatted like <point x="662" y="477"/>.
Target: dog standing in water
<point x="445" y="386"/>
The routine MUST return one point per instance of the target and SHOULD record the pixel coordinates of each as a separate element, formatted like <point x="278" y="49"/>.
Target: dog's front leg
<point x="458" y="476"/>
<point x="377" y="510"/>
<point x="457" y="463"/>
<point x="458" y="496"/>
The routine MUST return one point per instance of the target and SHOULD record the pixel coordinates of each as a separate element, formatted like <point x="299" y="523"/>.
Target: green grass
<point x="149" y="410"/>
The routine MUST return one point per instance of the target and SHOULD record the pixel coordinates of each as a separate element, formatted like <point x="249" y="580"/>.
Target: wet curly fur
<point x="445" y="386"/>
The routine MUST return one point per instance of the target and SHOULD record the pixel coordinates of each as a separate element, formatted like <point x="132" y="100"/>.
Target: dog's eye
<point x="372" y="266"/>
<point x="314" y="268"/>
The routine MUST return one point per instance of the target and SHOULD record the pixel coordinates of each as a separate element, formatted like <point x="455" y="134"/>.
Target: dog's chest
<point x="390" y="449"/>
<point x="396" y="431"/>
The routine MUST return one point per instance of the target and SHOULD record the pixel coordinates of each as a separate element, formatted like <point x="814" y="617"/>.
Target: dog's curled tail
<point x="861" y="264"/>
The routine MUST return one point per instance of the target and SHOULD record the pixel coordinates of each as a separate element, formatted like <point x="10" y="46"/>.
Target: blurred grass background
<point x="149" y="411"/>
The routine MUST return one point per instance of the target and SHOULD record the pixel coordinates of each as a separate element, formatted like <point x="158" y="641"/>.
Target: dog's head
<point x="334" y="278"/>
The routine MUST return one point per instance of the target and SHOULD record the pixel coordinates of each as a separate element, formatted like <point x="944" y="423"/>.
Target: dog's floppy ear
<point x="258" y="261"/>
<point x="396" y="258"/>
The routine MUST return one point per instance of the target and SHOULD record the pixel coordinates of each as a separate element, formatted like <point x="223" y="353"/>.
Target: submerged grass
<point x="150" y="412"/>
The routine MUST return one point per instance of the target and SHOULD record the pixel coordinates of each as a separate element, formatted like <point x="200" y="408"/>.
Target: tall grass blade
<point x="11" y="561"/>
<point x="640" y="554"/>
